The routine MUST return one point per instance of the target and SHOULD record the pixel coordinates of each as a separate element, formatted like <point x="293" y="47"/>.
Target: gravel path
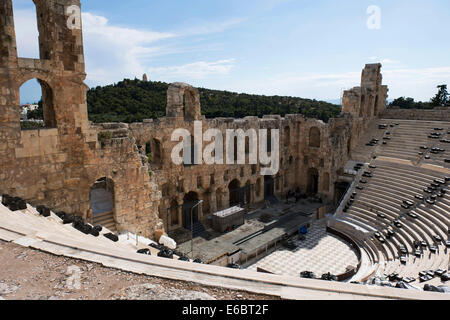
<point x="28" y="274"/>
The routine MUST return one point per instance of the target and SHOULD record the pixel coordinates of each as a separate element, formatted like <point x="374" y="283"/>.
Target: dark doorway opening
<point x="269" y="187"/>
<point x="340" y="189"/>
<point x="313" y="181"/>
<point x="236" y="193"/>
<point x="190" y="200"/>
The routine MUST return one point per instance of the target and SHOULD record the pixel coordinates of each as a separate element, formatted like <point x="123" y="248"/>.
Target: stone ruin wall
<point x="298" y="155"/>
<point x="58" y="165"/>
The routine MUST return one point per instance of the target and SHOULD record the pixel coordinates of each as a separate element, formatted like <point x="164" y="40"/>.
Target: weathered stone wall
<point x="308" y="148"/>
<point x="438" y="114"/>
<point x="57" y="165"/>
<point x="369" y="100"/>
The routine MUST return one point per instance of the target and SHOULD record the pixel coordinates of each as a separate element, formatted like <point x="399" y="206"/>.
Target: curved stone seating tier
<point x="437" y="212"/>
<point x="354" y="221"/>
<point x="412" y="179"/>
<point x="391" y="190"/>
<point x="418" y="233"/>
<point x="390" y="185"/>
<point x="413" y="173"/>
<point x="399" y="186"/>
<point x="395" y="180"/>
<point x="408" y="137"/>
<point x="432" y="222"/>
<point x="30" y="219"/>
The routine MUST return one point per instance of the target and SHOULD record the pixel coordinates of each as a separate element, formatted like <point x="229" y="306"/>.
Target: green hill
<point x="134" y="100"/>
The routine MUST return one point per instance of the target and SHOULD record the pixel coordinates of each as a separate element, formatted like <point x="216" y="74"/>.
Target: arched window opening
<point x="37" y="109"/>
<point x="235" y="151"/>
<point x="269" y="140"/>
<point x="26" y="28"/>
<point x="157" y="152"/>
<point x="314" y="137"/>
<point x="153" y="150"/>
<point x="287" y="136"/>
<point x="148" y="150"/>
<point x="247" y="145"/>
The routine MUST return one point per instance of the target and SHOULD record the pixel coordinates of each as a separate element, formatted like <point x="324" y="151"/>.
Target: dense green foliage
<point x="31" y="125"/>
<point x="38" y="113"/>
<point x="409" y="103"/>
<point x="135" y="100"/>
<point x="441" y="99"/>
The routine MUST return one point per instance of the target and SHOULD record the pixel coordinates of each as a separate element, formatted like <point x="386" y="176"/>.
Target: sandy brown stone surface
<point x="33" y="275"/>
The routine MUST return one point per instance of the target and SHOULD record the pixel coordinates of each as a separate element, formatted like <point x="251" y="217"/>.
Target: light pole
<point x="192" y="228"/>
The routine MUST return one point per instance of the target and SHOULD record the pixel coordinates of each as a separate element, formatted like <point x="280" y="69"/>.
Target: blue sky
<point x="310" y="49"/>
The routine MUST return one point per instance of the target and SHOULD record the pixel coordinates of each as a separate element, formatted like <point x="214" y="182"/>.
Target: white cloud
<point x="388" y="61"/>
<point x="383" y="61"/>
<point x="99" y="26"/>
<point x="113" y="53"/>
<point x="210" y="27"/>
<point x="419" y="83"/>
<point x="196" y="70"/>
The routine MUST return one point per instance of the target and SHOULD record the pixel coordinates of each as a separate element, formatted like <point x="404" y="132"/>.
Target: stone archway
<point x="102" y="203"/>
<point x="46" y="106"/>
<point x="183" y="101"/>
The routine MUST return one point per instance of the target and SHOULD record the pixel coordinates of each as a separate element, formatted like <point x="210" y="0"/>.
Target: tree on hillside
<point x="441" y="99"/>
<point x="135" y="100"/>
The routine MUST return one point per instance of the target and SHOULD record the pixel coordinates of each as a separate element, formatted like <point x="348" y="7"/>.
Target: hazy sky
<point x="305" y="48"/>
